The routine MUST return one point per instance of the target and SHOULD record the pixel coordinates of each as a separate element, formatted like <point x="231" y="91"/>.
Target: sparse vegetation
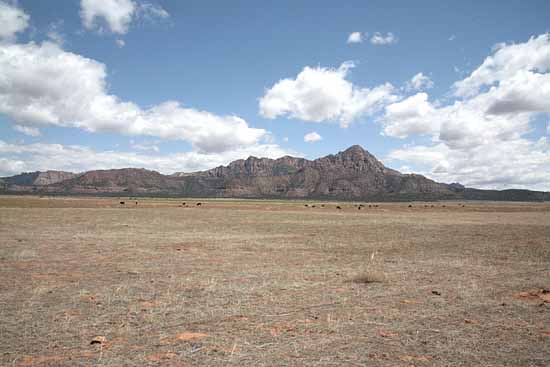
<point x="90" y="282"/>
<point x="372" y="271"/>
<point x="370" y="276"/>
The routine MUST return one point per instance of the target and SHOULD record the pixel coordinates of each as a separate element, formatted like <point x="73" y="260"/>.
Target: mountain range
<point x="353" y="174"/>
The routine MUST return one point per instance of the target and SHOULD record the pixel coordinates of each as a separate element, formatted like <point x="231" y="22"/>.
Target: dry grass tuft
<point x="372" y="271"/>
<point x="370" y="276"/>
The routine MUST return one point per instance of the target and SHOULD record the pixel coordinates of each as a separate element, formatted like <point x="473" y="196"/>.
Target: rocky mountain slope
<point x="38" y="178"/>
<point x="353" y="174"/>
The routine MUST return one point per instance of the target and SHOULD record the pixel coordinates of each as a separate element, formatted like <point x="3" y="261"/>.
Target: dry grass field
<point x="91" y="282"/>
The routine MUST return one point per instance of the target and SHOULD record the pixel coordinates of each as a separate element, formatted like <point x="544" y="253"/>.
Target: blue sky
<point x="223" y="63"/>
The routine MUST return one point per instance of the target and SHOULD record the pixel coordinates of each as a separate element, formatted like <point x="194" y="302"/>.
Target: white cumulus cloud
<point x="312" y="137"/>
<point x="519" y="163"/>
<point x="507" y="64"/>
<point x="12" y="21"/>
<point x="419" y="82"/>
<point x="117" y="15"/>
<point x="41" y="84"/>
<point x="482" y="137"/>
<point x="324" y="94"/>
<point x="355" y="37"/>
<point x="410" y="116"/>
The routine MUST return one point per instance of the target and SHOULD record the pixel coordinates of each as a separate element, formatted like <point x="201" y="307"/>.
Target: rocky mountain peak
<point x="357" y="153"/>
<point x="355" y="150"/>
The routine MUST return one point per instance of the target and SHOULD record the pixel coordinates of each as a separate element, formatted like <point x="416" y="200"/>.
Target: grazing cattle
<point x="136" y="202"/>
<point x="322" y="205"/>
<point x="184" y="204"/>
<point x="370" y="206"/>
<point x="358" y="208"/>
<point x="444" y="206"/>
<point x="410" y="206"/>
<point x="306" y="205"/>
<point x="338" y="207"/>
<point x="199" y="204"/>
<point x="313" y="206"/>
<point x="122" y="203"/>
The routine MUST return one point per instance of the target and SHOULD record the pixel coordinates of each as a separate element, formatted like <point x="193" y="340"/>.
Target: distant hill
<point x="38" y="178"/>
<point x="353" y="174"/>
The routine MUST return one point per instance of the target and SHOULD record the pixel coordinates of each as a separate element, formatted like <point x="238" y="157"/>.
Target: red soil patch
<point x="190" y="336"/>
<point x="534" y="295"/>
<point x="387" y="333"/>
<point x="186" y="336"/>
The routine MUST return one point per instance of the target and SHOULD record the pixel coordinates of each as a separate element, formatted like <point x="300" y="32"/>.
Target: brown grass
<point x="267" y="283"/>
<point x="370" y="276"/>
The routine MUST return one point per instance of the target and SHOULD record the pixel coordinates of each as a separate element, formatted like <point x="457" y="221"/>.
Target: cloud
<point x="525" y="91"/>
<point x="120" y="43"/>
<point x="30" y="131"/>
<point x="41" y="84"/>
<point x="419" y="82"/>
<point x="12" y="19"/>
<point x="503" y="111"/>
<point x="151" y="11"/>
<point x="379" y="39"/>
<point x="519" y="163"/>
<point x="482" y="138"/>
<point x="312" y="137"/>
<point x="410" y="116"/>
<point x="355" y="37"/>
<point x="117" y="15"/>
<point x="17" y="158"/>
<point x="508" y="63"/>
<point x="324" y="94"/>
<point x="146" y="146"/>
<point x="54" y="33"/>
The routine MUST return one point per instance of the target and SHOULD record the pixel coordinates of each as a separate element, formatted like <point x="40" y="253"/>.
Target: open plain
<point x="153" y="282"/>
